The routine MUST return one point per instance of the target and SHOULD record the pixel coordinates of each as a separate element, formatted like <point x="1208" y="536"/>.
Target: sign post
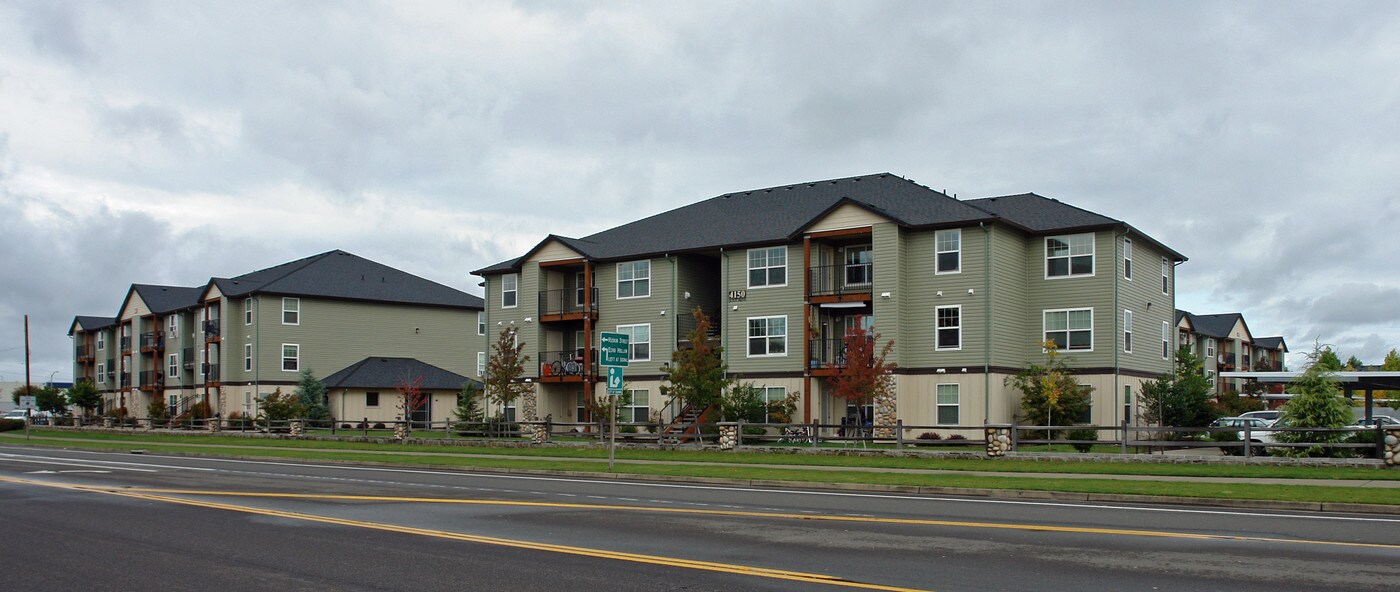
<point x="614" y="353"/>
<point x="27" y="403"/>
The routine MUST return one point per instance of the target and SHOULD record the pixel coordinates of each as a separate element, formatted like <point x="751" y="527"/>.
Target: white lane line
<point x="103" y="463"/>
<point x="74" y="464"/>
<point x="798" y="491"/>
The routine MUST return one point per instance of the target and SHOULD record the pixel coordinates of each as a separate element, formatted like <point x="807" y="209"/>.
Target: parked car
<point x="1258" y="427"/>
<point x="1384" y="421"/>
<point x="1270" y="416"/>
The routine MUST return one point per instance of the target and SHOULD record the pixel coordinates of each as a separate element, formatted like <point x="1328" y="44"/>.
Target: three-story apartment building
<point x="232" y="341"/>
<point x="966" y="290"/>
<point x="1224" y="343"/>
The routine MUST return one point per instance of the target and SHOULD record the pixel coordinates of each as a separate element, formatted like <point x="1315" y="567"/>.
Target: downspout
<point x="986" y="321"/>
<point x="675" y="316"/>
<point x="486" y="339"/>
<point x="257" y="347"/>
<point x="724" y="314"/>
<point x="1118" y="319"/>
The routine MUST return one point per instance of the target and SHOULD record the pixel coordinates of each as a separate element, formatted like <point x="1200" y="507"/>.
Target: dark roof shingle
<point x="387" y="373"/>
<point x="338" y="274"/>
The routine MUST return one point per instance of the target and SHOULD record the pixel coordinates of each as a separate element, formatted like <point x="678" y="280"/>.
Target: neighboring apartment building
<point x="967" y="291"/>
<point x="1224" y="344"/>
<point x="234" y="340"/>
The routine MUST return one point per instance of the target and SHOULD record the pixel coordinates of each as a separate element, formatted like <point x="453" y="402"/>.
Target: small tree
<point x="743" y="402"/>
<point x="50" y="399"/>
<point x="1179" y="399"/>
<point x="311" y="393"/>
<point x="1231" y="404"/>
<point x="157" y="411"/>
<point x="84" y="395"/>
<point x="1316" y="403"/>
<point x="1390" y="364"/>
<point x="1353" y="364"/>
<point x="506" y="368"/>
<point x="697" y="375"/>
<point x="866" y="376"/>
<point x="411" y="396"/>
<point x="468" y="410"/>
<point x="280" y="406"/>
<point x="1049" y="391"/>
<point x="1326" y="359"/>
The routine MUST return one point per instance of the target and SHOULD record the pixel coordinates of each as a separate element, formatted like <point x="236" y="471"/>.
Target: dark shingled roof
<point x="1216" y="325"/>
<point x="1271" y="343"/>
<point x="338" y="274"/>
<point x="386" y="373"/>
<point x="779" y="215"/>
<point x="166" y="299"/>
<point x="88" y="323"/>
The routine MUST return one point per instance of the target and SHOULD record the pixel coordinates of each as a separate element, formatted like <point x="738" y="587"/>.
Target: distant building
<point x="1224" y="343"/>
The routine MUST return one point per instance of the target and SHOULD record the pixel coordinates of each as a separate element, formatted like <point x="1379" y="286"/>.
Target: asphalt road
<point x="79" y="520"/>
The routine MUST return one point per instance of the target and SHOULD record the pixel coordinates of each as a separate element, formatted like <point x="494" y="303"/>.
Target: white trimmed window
<point x="1069" y="255"/>
<point x="768" y="267"/>
<point x="771" y="395"/>
<point x="1128" y="331"/>
<point x="638" y="410"/>
<point x="174" y="365"/>
<point x="480" y="363"/>
<point x="1166" y="339"/>
<point x="638" y="341"/>
<point x="634" y="279"/>
<point x="291" y="311"/>
<point x="1210" y="347"/>
<point x="247" y="311"/>
<point x="1166" y="274"/>
<point x="247" y="357"/>
<point x="1071" y="329"/>
<point x="1127" y="259"/>
<point x="481" y="323"/>
<point x="858" y="265"/>
<point x="173" y="327"/>
<point x="947" y="401"/>
<point x="949" y="330"/>
<point x="767" y="336"/>
<point x="291" y="357"/>
<point x="101" y="372"/>
<point x="948" y="251"/>
<point x="510" y="284"/>
<point x="101" y="341"/>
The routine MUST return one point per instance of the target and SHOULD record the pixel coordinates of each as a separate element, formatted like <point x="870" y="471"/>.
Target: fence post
<point x="739" y="434"/>
<point x="1015" y="438"/>
<point x="1248" y="450"/>
<point x="899" y="434"/>
<point x="365" y="424"/>
<point x="1380" y="441"/>
<point x="1123" y="448"/>
<point x="814" y="433"/>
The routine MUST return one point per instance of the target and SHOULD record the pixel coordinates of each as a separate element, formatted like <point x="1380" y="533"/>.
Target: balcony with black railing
<point x="152" y="341"/>
<point x="210" y="372"/>
<point x="211" y="329"/>
<point x="126" y="344"/>
<point x="567" y="366"/>
<point x="685" y="324"/>
<point x="1229" y="359"/>
<point x="150" y="379"/>
<point x="827" y="356"/>
<point x="83" y="353"/>
<point x="840" y="283"/>
<point x="126" y="379"/>
<point x="187" y="355"/>
<point x="566" y="305"/>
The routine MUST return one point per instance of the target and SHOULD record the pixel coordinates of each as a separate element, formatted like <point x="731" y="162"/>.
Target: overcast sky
<point x="167" y="142"/>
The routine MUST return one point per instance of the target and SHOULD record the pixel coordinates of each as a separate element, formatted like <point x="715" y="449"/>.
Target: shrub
<point x="11" y="424"/>
<point x="238" y="420"/>
<point x="754" y="431"/>
<point x="345" y="426"/>
<point x="1083" y="435"/>
<point x="957" y="437"/>
<point x="379" y="426"/>
<point x="929" y="436"/>
<point x="1227" y="437"/>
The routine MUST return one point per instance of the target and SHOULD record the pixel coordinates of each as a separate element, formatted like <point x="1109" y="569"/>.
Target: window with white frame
<point x="767" y="267"/>
<point x="1166" y="274"/>
<point x="481" y="322"/>
<point x="101" y="372"/>
<point x="948" y="251"/>
<point x="1127" y="259"/>
<point x="291" y="357"/>
<point x="291" y="311"/>
<point x="634" y="279"/>
<point x="947" y="401"/>
<point x="174" y="365"/>
<point x="639" y="341"/>
<point x="858" y="265"/>
<point x="1210" y="347"/>
<point x="480" y="363"/>
<point x="772" y="396"/>
<point x="172" y="326"/>
<point x="1070" y="329"/>
<point x="508" y="410"/>
<point x="1069" y="255"/>
<point x="247" y="311"/>
<point x="767" y="336"/>
<point x="949" y="330"/>
<point x="101" y="341"/>
<point x="1166" y="339"/>
<point x="1128" y="331"/>
<point x="638" y="408"/>
<point x="510" y="284"/>
<point x="247" y="357"/>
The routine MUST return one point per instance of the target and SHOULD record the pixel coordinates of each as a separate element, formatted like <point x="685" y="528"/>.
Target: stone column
<point x="529" y="406"/>
<point x="213" y="423"/>
<point x="1392" y="447"/>
<point x="886" y="414"/>
<point x="400" y="430"/>
<point x="107" y="422"/>
<point x="728" y="436"/>
<point x="297" y="427"/>
<point x="998" y="439"/>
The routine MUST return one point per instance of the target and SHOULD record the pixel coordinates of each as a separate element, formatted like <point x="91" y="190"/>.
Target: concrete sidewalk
<point x="1356" y="483"/>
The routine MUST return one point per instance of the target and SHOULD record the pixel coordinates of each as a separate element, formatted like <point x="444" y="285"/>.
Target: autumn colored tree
<point x="506" y="368"/>
<point x="411" y="396"/>
<point x="697" y="374"/>
<point x="1390" y="364"/>
<point x="866" y="374"/>
<point x="1049" y="393"/>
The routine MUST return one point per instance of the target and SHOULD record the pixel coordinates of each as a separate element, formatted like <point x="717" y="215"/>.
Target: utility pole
<point x="26" y="355"/>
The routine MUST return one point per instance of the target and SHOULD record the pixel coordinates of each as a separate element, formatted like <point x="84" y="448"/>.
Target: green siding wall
<point x="1076" y="292"/>
<point x="762" y="302"/>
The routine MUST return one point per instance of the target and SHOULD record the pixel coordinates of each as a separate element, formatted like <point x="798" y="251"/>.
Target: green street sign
<point x="614" y="349"/>
<point x="614" y="380"/>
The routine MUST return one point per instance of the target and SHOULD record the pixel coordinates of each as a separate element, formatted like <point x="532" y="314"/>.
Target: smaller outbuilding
<point x="372" y="390"/>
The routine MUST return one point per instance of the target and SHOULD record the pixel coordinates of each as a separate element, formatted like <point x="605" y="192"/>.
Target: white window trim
<point x="101" y="342"/>
<point x="630" y="414"/>
<point x="936" y="252"/>
<point x="748" y="337"/>
<point x="748" y="273"/>
<point x="618" y="280"/>
<point x="283" y="357"/>
<point x="1127" y="331"/>
<point x="480" y="363"/>
<point x="937" y="405"/>
<point x="480" y="322"/>
<point x="248" y="357"/>
<point x="248" y="311"/>
<point x="1093" y="256"/>
<point x="174" y="366"/>
<point x="1166" y="340"/>
<point x="649" y="340"/>
<point x="1166" y="275"/>
<point x="285" y="311"/>
<point x="1210" y="347"/>
<point x="936" y="328"/>
<point x="1128" y="259"/>
<point x="767" y="401"/>
<point x="515" y="290"/>
<point x="172" y="326"/>
<point x="101" y="372"/>
<point x="1065" y="347"/>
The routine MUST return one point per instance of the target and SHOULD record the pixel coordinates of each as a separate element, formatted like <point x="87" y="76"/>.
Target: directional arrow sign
<point x="614" y="349"/>
<point x="614" y="380"/>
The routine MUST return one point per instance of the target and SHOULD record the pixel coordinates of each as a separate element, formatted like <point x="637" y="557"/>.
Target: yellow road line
<point x="747" y="570"/>
<point x="738" y="513"/>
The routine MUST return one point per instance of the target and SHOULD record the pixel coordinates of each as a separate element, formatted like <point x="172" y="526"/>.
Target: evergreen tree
<point x="84" y="395"/>
<point x="1326" y="359"/>
<point x="1179" y="399"/>
<point x="468" y="410"/>
<point x="1316" y="403"/>
<point x="311" y="393"/>
<point x="1390" y="364"/>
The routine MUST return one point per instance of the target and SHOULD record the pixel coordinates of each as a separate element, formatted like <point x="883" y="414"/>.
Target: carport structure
<point x="1365" y="381"/>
